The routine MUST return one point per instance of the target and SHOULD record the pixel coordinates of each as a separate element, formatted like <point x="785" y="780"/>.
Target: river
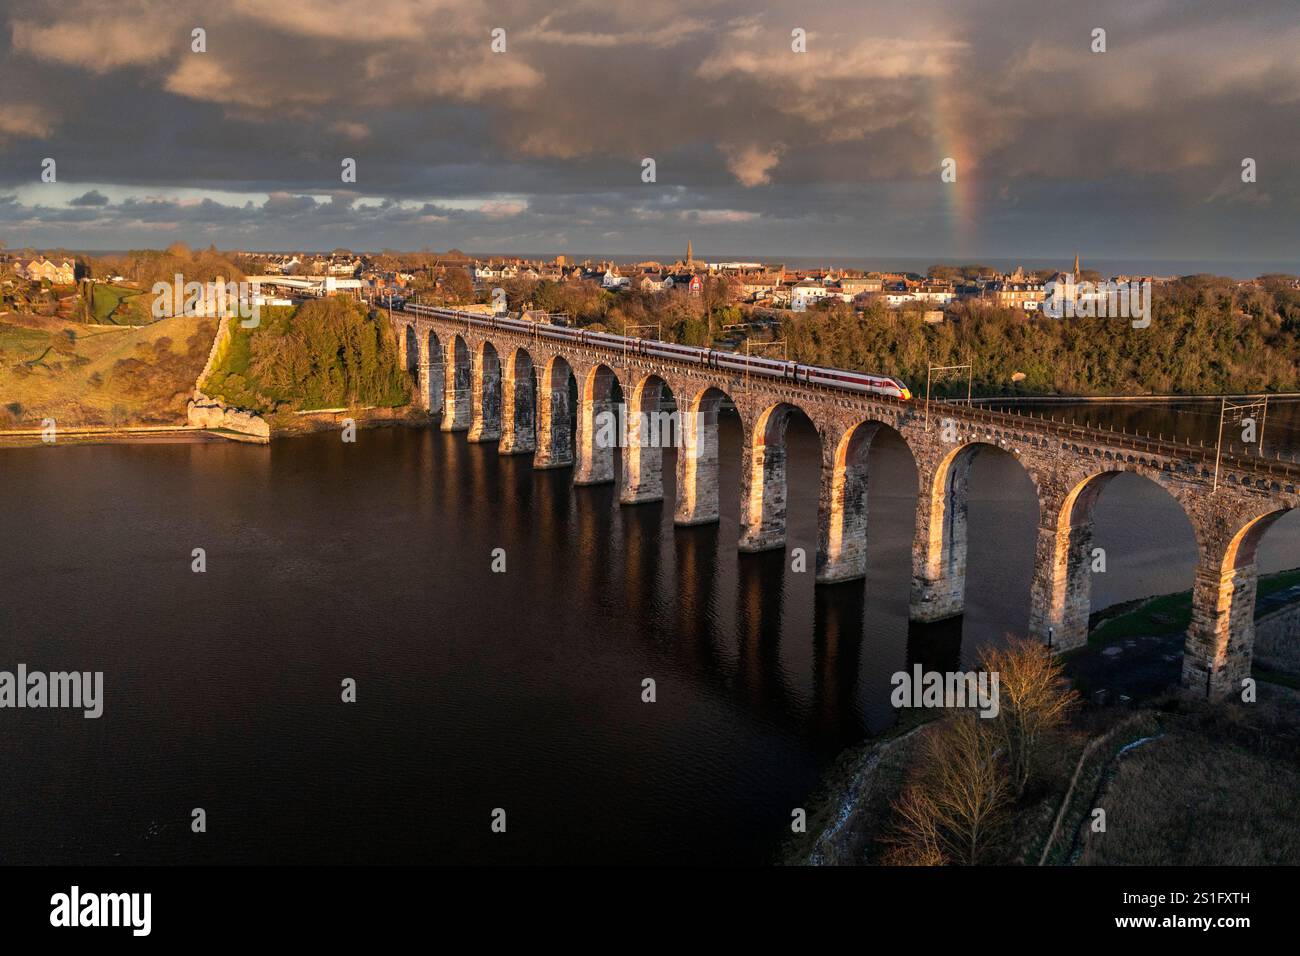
<point x="476" y="690"/>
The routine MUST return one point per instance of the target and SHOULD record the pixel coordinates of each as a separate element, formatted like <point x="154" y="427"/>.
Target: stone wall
<point x="206" y="412"/>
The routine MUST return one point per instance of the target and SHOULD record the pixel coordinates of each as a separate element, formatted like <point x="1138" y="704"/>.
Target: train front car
<point x="854" y="381"/>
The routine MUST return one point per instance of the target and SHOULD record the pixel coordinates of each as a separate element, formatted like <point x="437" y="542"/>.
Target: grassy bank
<point x="855" y="791"/>
<point x="1170" y="614"/>
<point x="98" y="375"/>
<point x="1181" y="781"/>
<point x="119" y="305"/>
<point x="1211" y="786"/>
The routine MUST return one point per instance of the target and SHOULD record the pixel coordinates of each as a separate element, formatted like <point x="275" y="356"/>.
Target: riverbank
<point x="1182" y="781"/>
<point x="307" y="423"/>
<point x="1135" y="649"/>
<point x="128" y="435"/>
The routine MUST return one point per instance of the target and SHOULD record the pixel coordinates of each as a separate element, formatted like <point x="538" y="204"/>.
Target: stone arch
<point x="554" y="422"/>
<point x="599" y="428"/>
<point x="486" y="412"/>
<point x="518" y="404"/>
<point x="842" y="507"/>
<point x="763" y="479"/>
<point x="412" y="362"/>
<point x="940" y="547"/>
<point x="457" y="398"/>
<point x="697" y="457"/>
<point x="1061" y="601"/>
<point x="649" y="431"/>
<point x="1244" y="545"/>
<point x="433" y="372"/>
<point x="1221" y="638"/>
<point x="410" y="352"/>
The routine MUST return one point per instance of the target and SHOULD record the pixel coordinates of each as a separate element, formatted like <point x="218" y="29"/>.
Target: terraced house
<point x="62" y="272"/>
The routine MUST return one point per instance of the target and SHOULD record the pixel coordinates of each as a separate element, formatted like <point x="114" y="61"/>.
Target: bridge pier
<point x="1061" y="592"/>
<point x="457" y="396"/>
<point x="763" y="488"/>
<point x="697" y="463"/>
<point x="1221" y="637"/>
<point x="518" y="391"/>
<point x="842" y="507"/>
<point x="554" y="429"/>
<point x="598" y="429"/>
<point x="939" y="546"/>
<point x="486" y="415"/>
<point x="643" y="455"/>
<point x="430" y="376"/>
<point x="429" y="382"/>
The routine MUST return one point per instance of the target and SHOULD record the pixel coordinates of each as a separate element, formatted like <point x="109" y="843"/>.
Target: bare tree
<point x="960" y="799"/>
<point x="915" y="840"/>
<point x="1033" y="698"/>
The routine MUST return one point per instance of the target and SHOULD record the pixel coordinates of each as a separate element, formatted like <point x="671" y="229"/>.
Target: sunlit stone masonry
<point x="547" y="396"/>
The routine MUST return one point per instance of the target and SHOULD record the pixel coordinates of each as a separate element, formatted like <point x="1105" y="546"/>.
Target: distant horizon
<point x="1108" y="265"/>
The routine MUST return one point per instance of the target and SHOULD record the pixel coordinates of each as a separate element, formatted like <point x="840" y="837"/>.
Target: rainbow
<point x="950" y="139"/>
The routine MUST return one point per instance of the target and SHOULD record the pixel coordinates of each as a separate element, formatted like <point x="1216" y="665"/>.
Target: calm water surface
<point x="475" y="690"/>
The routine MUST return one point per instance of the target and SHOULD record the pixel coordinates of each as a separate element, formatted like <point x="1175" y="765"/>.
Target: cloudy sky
<point x="759" y="150"/>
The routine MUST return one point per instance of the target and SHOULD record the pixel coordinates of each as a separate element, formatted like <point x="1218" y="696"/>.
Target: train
<point x="709" y="358"/>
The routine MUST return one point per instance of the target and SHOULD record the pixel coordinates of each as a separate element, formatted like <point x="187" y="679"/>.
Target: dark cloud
<point x="759" y="150"/>
<point x="92" y="198"/>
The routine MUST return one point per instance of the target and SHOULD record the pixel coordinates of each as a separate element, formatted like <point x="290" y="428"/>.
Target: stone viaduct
<point x="514" y="388"/>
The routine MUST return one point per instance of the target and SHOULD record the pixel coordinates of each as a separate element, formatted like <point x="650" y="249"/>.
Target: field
<point x="1213" y="787"/>
<point x="118" y="305"/>
<point x="81" y="374"/>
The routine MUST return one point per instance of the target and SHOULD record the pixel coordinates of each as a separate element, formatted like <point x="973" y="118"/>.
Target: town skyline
<point x="918" y="264"/>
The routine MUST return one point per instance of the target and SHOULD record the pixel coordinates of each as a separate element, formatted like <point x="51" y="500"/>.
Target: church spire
<point x="1076" y="265"/>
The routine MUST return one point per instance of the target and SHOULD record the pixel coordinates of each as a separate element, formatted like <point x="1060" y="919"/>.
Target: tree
<point x="457" y="287"/>
<point x="916" y="840"/>
<point x="326" y="353"/>
<point x="1033" y="698"/>
<point x="959" y="799"/>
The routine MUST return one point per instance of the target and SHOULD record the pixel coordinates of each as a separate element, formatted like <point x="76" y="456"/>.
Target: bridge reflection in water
<point x="553" y="395"/>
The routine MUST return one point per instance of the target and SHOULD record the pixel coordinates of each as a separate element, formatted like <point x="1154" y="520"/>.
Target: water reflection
<point x="373" y="561"/>
<point x="837" y="652"/>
